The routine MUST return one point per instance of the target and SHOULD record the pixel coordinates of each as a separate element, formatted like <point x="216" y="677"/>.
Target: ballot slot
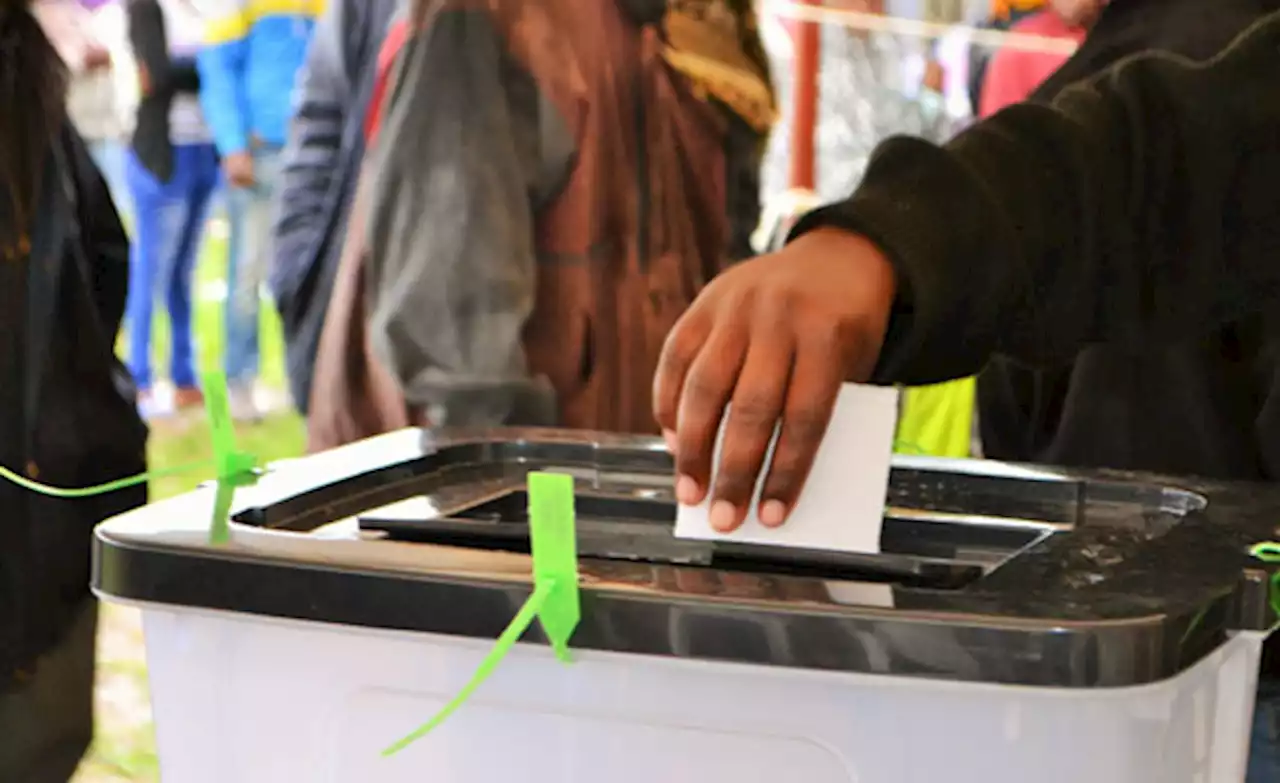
<point x="916" y="549"/>
<point x="946" y="523"/>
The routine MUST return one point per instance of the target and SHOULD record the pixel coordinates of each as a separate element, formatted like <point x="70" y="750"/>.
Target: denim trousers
<point x="169" y="227"/>
<point x="249" y="213"/>
<point x="109" y="155"/>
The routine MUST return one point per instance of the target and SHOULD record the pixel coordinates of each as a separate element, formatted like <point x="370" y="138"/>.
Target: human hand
<point x="96" y="58"/>
<point x="238" y="168"/>
<point x="935" y="77"/>
<point x="144" y="80"/>
<point x="776" y="336"/>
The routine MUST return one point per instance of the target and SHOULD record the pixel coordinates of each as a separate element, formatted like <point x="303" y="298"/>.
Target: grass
<point x="124" y="748"/>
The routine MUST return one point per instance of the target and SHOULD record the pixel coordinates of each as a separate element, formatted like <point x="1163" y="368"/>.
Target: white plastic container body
<point x="243" y="699"/>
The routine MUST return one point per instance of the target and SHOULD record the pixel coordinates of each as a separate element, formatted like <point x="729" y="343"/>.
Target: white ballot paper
<point x="842" y="505"/>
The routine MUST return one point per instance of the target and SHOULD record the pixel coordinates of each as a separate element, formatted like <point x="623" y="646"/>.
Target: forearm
<point x="222" y="94"/>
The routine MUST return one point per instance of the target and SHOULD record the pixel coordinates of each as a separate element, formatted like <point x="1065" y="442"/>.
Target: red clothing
<point x="387" y="55"/>
<point x="1014" y="74"/>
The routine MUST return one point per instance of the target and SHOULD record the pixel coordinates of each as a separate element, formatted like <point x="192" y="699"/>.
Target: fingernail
<point x="773" y="513"/>
<point x="688" y="493"/>
<point x="670" y="437"/>
<point x="723" y="515"/>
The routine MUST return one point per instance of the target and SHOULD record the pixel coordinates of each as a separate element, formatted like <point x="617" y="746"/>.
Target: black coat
<point x="1084" y="412"/>
<point x="73" y="406"/>
<point x="1114" y="256"/>
<point x="168" y="77"/>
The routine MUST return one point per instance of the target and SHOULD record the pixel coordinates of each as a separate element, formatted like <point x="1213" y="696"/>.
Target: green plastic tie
<point x="554" y="602"/>
<point x="1269" y="552"/>
<point x="234" y="468"/>
<point x="555" y="556"/>
<point x="99" y="489"/>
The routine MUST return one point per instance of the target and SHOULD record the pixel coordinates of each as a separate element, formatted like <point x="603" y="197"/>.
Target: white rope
<point x="918" y="28"/>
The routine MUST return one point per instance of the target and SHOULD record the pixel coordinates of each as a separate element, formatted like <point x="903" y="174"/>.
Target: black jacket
<point x="168" y="77"/>
<point x="1206" y="392"/>
<point x="1092" y="255"/>
<point x="71" y="407"/>
<point x="1123" y="242"/>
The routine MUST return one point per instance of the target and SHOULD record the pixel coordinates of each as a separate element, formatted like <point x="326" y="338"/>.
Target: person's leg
<point x="144" y="265"/>
<point x="46" y="723"/>
<point x="1264" y="745"/>
<point x="111" y="156"/>
<point x="196" y="171"/>
<point x="240" y="314"/>
<point x="251" y="218"/>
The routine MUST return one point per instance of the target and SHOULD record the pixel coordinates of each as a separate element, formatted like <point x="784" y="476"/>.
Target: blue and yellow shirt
<point x="248" y="66"/>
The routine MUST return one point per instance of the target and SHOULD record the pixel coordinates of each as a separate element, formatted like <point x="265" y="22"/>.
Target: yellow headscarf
<point x="1003" y="9"/>
<point x="716" y="45"/>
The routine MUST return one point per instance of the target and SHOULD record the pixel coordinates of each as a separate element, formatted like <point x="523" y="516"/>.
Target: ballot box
<point x="1018" y="624"/>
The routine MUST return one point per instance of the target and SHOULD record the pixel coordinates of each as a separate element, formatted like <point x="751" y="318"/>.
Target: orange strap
<point x="391" y="46"/>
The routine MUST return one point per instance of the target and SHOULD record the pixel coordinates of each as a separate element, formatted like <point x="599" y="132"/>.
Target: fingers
<point x="756" y="406"/>
<point x="710" y="381"/>
<point x="678" y="352"/>
<point x="816" y="377"/>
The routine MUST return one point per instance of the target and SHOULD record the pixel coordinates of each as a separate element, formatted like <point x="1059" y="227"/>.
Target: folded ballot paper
<point x="842" y="505"/>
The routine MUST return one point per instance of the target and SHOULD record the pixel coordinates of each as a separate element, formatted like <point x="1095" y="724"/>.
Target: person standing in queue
<point x="1136" y="211"/>
<point x="320" y="167"/>
<point x="248" y="69"/>
<point x="540" y="215"/>
<point x="172" y="172"/>
<point x="67" y="414"/>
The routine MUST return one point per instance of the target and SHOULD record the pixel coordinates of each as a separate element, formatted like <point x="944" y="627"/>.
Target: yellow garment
<point x="716" y="45"/>
<point x="1002" y="9"/>
<point x="938" y="420"/>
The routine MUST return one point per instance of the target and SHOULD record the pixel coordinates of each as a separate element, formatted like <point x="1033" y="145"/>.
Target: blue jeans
<point x="1264" y="746"/>
<point x="248" y="247"/>
<point x="170" y="220"/>
<point x="109" y="156"/>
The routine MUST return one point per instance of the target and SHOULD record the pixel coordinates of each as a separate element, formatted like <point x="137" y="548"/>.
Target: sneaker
<point x="150" y="405"/>
<point x="187" y="397"/>
<point x="243" y="404"/>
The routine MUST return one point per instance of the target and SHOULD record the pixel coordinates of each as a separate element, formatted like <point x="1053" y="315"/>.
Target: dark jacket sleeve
<point x="151" y="48"/>
<point x="1193" y="28"/>
<point x="102" y="234"/>
<point x="1140" y="206"/>
<point x="312" y="154"/>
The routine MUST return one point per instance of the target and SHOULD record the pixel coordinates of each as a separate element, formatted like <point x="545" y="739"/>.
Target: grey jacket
<point x="322" y="161"/>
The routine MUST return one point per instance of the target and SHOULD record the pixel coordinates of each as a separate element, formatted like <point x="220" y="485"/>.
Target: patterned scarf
<point x="1004" y="9"/>
<point x="716" y="45"/>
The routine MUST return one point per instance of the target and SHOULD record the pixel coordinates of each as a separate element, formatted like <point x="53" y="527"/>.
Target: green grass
<point x="124" y="748"/>
<point x="183" y="440"/>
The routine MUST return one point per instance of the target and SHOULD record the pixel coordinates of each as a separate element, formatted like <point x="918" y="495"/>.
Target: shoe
<point x="150" y="406"/>
<point x="187" y="397"/>
<point x="244" y="406"/>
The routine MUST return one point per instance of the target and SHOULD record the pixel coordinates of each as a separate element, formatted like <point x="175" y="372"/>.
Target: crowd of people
<point x="265" y="112"/>
<point x="185" y="102"/>
<point x="487" y="212"/>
